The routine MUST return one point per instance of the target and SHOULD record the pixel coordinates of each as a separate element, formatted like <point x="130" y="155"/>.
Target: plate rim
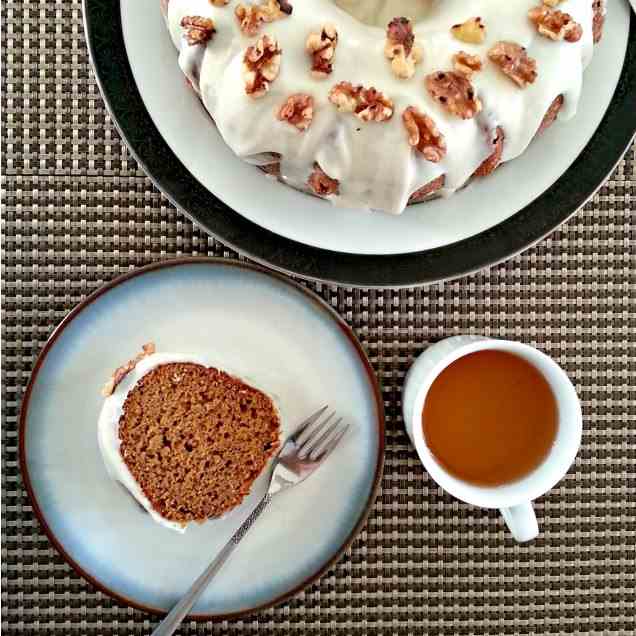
<point x="320" y="305"/>
<point x="528" y="226"/>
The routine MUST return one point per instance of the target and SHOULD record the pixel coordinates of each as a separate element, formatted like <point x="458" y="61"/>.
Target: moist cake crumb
<point x="195" y="438"/>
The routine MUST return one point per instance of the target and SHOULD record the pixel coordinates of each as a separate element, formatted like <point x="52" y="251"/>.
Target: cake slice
<point x="187" y="439"/>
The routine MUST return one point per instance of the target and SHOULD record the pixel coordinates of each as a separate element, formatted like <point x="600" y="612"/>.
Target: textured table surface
<point x="78" y="211"/>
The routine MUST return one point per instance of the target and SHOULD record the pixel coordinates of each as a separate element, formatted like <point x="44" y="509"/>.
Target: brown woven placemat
<point x="78" y="211"/>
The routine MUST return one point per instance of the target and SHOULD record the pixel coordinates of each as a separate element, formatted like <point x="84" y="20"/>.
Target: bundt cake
<point x="185" y="439"/>
<point x="379" y="103"/>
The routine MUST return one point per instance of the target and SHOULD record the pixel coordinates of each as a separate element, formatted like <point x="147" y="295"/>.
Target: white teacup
<point x="515" y="498"/>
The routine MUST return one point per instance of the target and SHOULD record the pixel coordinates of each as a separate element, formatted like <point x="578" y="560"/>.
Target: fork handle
<point x="172" y="621"/>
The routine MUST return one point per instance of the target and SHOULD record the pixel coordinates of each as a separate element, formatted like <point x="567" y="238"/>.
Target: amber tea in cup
<point x="490" y="418"/>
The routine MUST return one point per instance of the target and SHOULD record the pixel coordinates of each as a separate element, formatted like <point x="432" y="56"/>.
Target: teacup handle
<point x="521" y="521"/>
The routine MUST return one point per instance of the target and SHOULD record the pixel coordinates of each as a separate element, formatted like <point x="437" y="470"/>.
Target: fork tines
<point x="317" y="436"/>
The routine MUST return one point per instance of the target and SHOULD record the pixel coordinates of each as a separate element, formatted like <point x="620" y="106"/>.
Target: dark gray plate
<point x="114" y="75"/>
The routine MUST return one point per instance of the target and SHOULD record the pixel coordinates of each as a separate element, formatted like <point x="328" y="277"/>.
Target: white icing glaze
<point x="112" y="410"/>
<point x="374" y="163"/>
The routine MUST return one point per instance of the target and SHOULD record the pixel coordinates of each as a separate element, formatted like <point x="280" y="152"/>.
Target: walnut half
<point x="555" y="24"/>
<point x="424" y="135"/>
<point x="251" y="17"/>
<point x="401" y="49"/>
<point x="467" y="64"/>
<point x="454" y="92"/>
<point x="473" y="31"/>
<point x="198" y="30"/>
<point x="513" y="60"/>
<point x="367" y="104"/>
<point x="298" y="110"/>
<point x="261" y="64"/>
<point x="322" y="49"/>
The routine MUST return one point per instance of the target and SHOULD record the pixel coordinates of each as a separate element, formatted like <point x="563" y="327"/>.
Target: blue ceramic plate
<point x="266" y="328"/>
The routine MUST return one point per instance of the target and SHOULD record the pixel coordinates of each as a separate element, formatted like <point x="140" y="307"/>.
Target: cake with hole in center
<point x="376" y="104"/>
<point x="186" y="439"/>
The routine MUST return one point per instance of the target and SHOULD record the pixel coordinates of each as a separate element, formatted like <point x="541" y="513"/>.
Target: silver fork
<point x="300" y="455"/>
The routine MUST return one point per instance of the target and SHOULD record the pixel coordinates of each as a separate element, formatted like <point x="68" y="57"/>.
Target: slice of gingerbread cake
<point x="186" y="439"/>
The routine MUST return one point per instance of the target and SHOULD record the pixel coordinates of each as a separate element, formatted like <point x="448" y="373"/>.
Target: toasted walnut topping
<point x="424" y="135"/>
<point x="555" y="24"/>
<point x="473" y="31"/>
<point x="198" y="30"/>
<point x="454" y="92"/>
<point x="252" y="16"/>
<point x="467" y="64"/>
<point x="322" y="48"/>
<point x="400" y="31"/>
<point x="374" y="106"/>
<point x="219" y="3"/>
<point x="513" y="60"/>
<point x="261" y="64"/>
<point x="125" y="369"/>
<point x="344" y="96"/>
<point x="298" y="110"/>
<point x="322" y="184"/>
<point x="401" y="49"/>
<point x="367" y="104"/>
